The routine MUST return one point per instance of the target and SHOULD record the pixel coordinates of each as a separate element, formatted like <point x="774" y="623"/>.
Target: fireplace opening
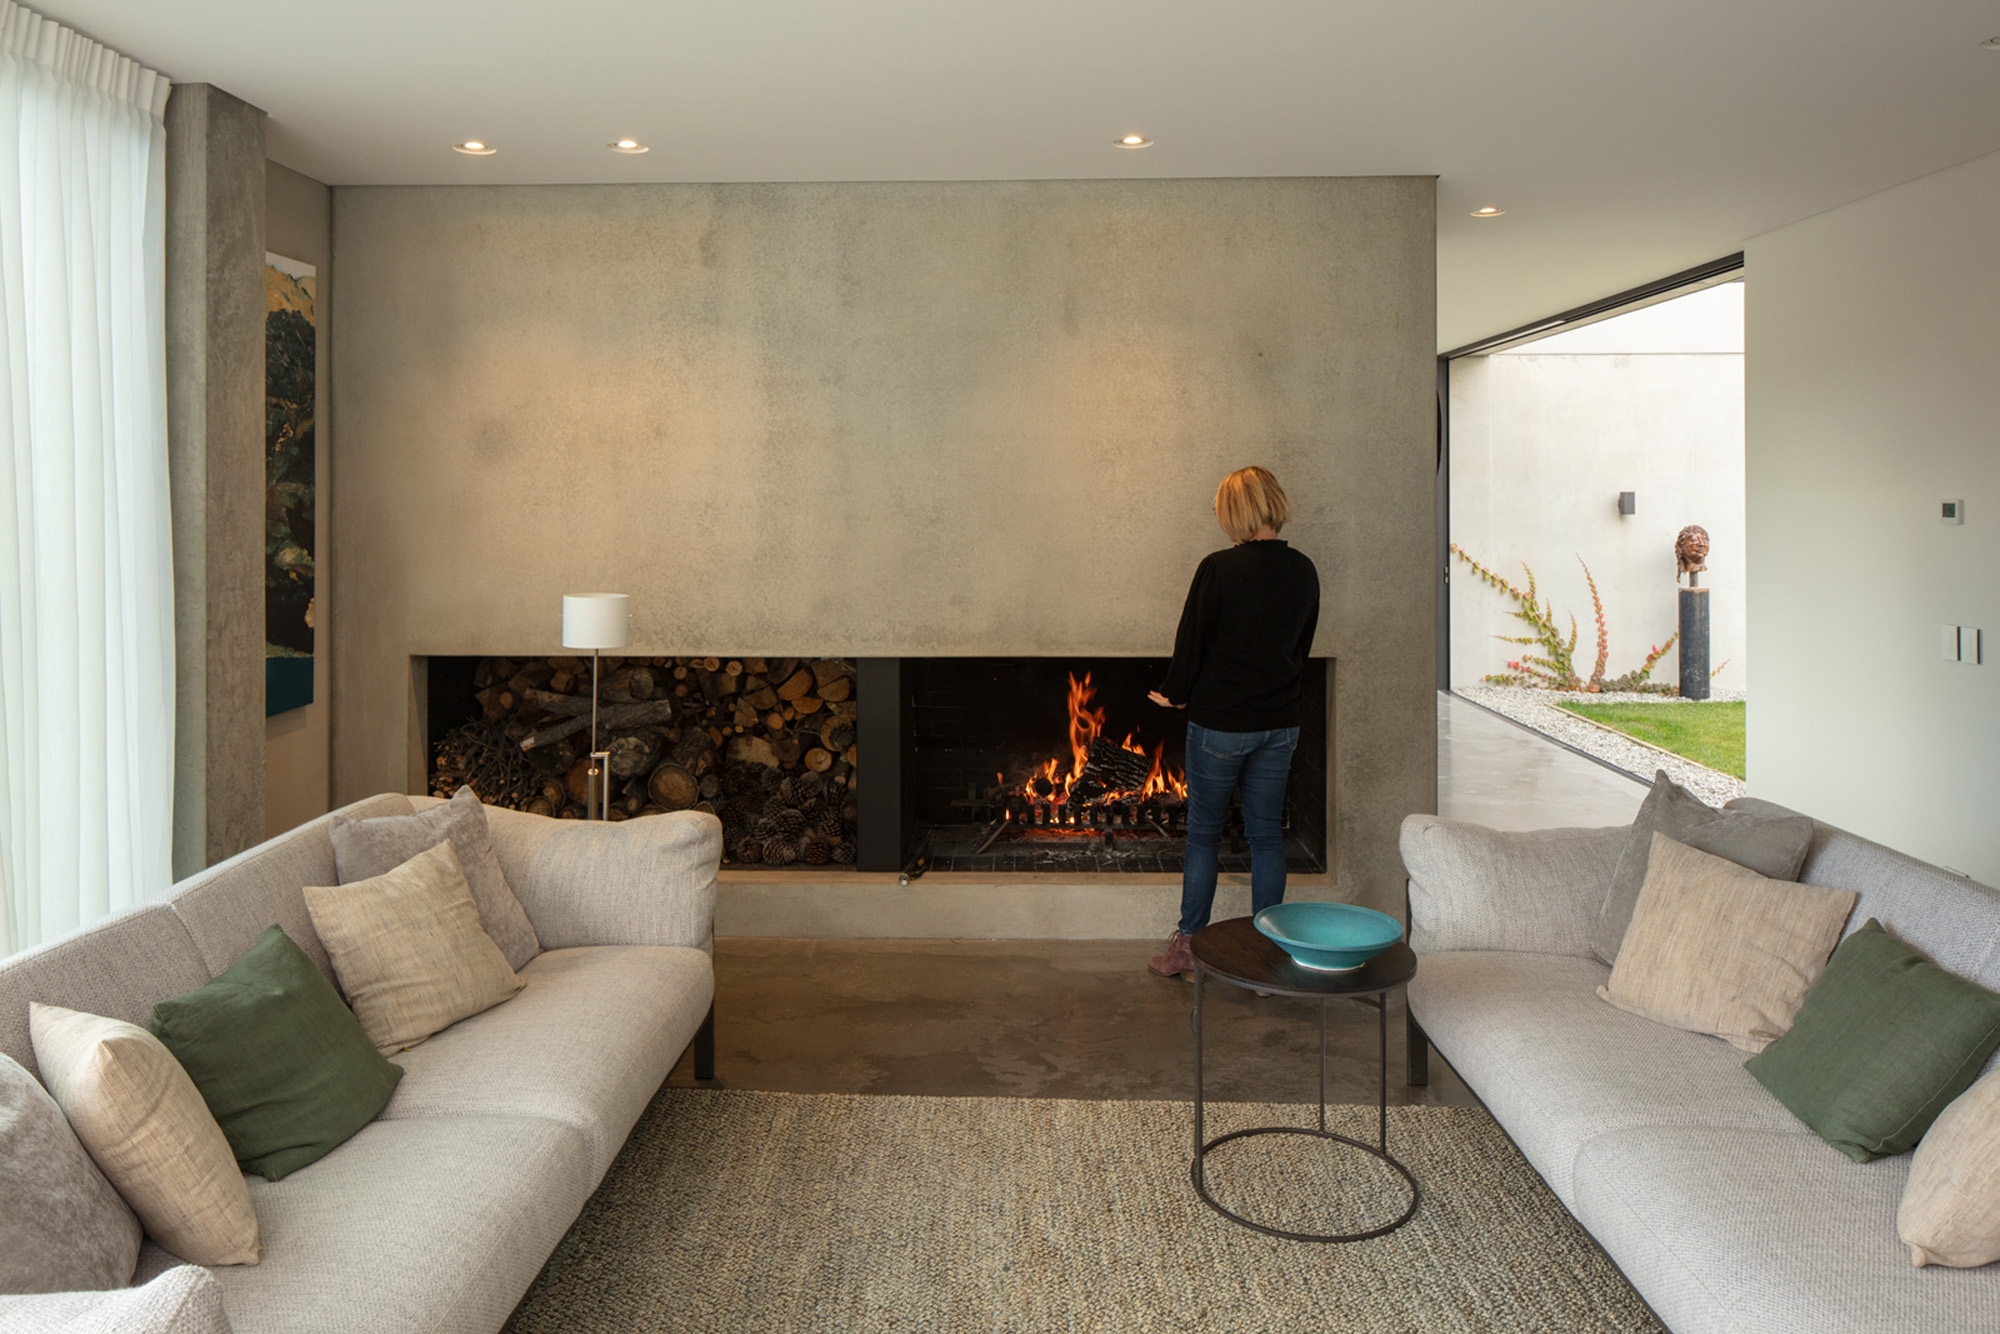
<point x="767" y="745"/>
<point x="1063" y="764"/>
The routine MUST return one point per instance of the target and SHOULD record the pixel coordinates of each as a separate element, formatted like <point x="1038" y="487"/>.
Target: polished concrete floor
<point x="1028" y="1019"/>
<point x="1084" y="1019"/>
<point x="1495" y="772"/>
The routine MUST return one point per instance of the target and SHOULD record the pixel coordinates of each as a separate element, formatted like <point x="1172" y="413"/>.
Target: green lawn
<point x="1708" y="732"/>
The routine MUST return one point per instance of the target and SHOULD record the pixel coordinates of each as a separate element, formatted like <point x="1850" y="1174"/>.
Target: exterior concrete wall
<point x="884" y="419"/>
<point x="1874" y="334"/>
<point x="298" y="765"/>
<point x="215" y="440"/>
<point x="1541" y="445"/>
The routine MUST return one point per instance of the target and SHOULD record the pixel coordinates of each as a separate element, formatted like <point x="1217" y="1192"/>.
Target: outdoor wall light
<point x="474" y="148"/>
<point x="1628" y="502"/>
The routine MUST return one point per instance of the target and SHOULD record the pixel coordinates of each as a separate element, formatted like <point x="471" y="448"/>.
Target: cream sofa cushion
<point x="1950" y="1213"/>
<point x="148" y="1130"/>
<point x="409" y="949"/>
<point x="1717" y="948"/>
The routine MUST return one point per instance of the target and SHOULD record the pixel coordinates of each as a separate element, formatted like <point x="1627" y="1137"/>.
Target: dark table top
<point x="1236" y="951"/>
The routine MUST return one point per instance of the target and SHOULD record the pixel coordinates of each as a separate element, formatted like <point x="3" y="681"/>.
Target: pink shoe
<point x="1178" y="959"/>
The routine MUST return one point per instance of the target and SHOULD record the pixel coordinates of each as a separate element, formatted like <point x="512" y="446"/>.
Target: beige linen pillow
<point x="1950" y="1213"/>
<point x="409" y="950"/>
<point x="148" y="1130"/>
<point x="363" y="849"/>
<point x="1716" y="948"/>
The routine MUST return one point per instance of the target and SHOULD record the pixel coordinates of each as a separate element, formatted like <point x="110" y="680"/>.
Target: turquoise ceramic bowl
<point x="1329" y="937"/>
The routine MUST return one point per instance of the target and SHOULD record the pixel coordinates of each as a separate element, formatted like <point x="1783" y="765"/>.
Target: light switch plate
<point x="1971" y="644"/>
<point x="1951" y="643"/>
<point x="1952" y="512"/>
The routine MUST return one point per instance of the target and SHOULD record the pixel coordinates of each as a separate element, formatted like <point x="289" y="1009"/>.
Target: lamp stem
<point x="597" y="801"/>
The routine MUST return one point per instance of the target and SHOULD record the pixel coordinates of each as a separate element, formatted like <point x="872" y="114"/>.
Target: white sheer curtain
<point x="86" y="576"/>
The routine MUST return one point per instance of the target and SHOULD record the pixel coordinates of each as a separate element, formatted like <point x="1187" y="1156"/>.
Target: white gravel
<point x="1536" y="709"/>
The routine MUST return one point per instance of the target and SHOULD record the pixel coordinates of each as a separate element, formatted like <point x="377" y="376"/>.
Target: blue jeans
<point x="1257" y="764"/>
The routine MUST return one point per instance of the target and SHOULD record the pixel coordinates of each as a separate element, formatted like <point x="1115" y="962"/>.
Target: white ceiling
<point x="1625" y="138"/>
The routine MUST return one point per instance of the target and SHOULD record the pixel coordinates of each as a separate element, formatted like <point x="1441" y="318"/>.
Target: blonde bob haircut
<point x="1247" y="500"/>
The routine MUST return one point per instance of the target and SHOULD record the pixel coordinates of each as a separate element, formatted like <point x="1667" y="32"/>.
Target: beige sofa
<point x="1727" y="1214"/>
<point x="440" y="1213"/>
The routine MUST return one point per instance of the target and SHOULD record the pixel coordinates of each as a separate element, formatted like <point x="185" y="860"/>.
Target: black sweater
<point x="1244" y="637"/>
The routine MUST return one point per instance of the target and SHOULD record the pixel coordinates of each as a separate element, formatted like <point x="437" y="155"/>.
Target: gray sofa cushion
<point x="117" y="969"/>
<point x="1558" y="1067"/>
<point x="1771" y="843"/>
<point x="1767" y="1232"/>
<point x="435" y="1226"/>
<point x="1474" y="888"/>
<point x="366" y="848"/>
<point x="228" y="906"/>
<point x="62" y="1226"/>
<point x="586" y="882"/>
<point x="184" y="1299"/>
<point x="586" y="1042"/>
<point x="1954" y="920"/>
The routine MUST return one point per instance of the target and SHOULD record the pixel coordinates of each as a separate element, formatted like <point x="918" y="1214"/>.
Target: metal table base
<point x="1380" y="1149"/>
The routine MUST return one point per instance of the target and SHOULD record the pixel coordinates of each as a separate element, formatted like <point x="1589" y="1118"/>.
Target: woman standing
<point x="1239" y="657"/>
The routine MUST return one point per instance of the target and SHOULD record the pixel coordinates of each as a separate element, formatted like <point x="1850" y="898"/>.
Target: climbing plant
<point x="1553" y="665"/>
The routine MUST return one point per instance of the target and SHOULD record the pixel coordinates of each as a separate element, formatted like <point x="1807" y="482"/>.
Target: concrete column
<point x="215" y="441"/>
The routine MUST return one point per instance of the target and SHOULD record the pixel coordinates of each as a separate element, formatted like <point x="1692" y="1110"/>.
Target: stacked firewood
<point x="765" y="744"/>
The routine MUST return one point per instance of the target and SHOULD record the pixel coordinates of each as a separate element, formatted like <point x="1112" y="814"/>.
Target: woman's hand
<point x="1163" y="701"/>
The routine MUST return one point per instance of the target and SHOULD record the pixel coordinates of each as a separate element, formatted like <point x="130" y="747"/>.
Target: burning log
<point x="1109" y="767"/>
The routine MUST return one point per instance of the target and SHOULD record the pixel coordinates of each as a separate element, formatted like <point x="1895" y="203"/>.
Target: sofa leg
<point x="1418" y="1044"/>
<point x="704" y="1047"/>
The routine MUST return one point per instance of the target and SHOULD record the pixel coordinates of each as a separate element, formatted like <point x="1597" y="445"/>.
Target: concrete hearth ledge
<point x="967" y="906"/>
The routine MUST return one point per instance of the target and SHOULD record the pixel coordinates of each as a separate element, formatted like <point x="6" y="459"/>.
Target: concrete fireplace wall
<point x="881" y="420"/>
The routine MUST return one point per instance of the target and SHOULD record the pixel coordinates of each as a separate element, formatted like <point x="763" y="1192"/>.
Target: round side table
<point x="1237" y="953"/>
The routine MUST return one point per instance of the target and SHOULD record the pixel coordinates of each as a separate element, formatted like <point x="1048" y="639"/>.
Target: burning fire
<point x="1051" y="788"/>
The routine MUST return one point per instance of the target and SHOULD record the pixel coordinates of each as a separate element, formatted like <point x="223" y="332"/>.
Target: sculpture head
<point x="1691" y="550"/>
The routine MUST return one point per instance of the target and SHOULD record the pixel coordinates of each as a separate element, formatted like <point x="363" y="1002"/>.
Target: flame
<point x="1086" y="725"/>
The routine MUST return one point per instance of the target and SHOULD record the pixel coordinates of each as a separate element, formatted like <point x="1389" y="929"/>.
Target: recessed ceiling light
<point x="629" y="146"/>
<point x="1991" y="44"/>
<point x="1135" y="141"/>
<point x="474" y="148"/>
<point x="1488" y="212"/>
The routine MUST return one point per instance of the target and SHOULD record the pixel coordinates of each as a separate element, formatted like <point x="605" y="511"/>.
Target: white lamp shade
<point x="596" y="620"/>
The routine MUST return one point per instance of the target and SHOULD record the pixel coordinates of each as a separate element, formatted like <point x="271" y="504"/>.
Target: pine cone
<point x="748" y="849"/>
<point x="837" y="736"/>
<point x="830" y="825"/>
<point x="843" y="853"/>
<point x="808" y="786"/>
<point x="780" y="852"/>
<point x="783" y="825"/>
<point x="817" y="850"/>
<point x="788" y="791"/>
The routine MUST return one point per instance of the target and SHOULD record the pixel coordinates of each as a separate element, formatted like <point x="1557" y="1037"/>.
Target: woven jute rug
<point x="774" y="1211"/>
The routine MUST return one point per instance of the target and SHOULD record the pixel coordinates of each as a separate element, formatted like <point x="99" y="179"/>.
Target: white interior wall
<point x="1874" y="393"/>
<point x="1545" y="436"/>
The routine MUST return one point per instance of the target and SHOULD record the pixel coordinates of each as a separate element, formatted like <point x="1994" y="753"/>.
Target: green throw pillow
<point x="1883" y="1043"/>
<point x="279" y="1058"/>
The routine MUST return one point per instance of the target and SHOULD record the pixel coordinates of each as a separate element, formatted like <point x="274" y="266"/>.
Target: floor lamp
<point x="596" y="621"/>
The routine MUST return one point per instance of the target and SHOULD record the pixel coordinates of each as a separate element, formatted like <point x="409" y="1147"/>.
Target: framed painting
<point x="290" y="373"/>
